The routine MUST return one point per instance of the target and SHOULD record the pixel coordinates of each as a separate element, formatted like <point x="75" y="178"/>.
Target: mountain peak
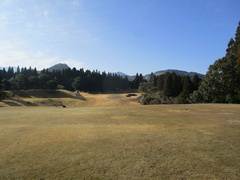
<point x="58" y="67"/>
<point x="121" y="74"/>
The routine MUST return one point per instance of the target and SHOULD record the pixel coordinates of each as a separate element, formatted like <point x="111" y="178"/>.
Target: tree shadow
<point x="24" y="103"/>
<point x="79" y="96"/>
<point x="10" y="103"/>
<point x="44" y="94"/>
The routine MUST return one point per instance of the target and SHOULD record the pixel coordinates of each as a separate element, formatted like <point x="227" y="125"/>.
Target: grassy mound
<point x="64" y="97"/>
<point x="44" y="94"/>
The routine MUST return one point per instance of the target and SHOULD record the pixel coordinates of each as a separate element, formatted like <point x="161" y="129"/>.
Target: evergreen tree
<point x="35" y="73"/>
<point x="51" y="84"/>
<point x="18" y="70"/>
<point x="42" y="80"/>
<point x="237" y="47"/>
<point x="6" y="85"/>
<point x="10" y="72"/>
<point x="160" y="82"/>
<point x="152" y="81"/>
<point x="136" y="82"/>
<point x="187" y="86"/>
<point x="33" y="82"/>
<point x="196" y="82"/>
<point x="175" y="85"/>
<point x="222" y="81"/>
<point x="141" y="78"/>
<point x="167" y="89"/>
<point x="4" y="74"/>
<point x="155" y="81"/>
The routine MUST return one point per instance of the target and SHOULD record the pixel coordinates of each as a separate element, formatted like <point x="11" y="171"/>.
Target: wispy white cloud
<point x="45" y="13"/>
<point x="75" y="3"/>
<point x="9" y="2"/>
<point x="73" y="63"/>
<point x="4" y="20"/>
<point x="35" y="33"/>
<point x="20" y="15"/>
<point x="12" y="56"/>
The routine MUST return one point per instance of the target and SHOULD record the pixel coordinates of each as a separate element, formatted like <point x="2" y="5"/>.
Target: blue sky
<point x="130" y="36"/>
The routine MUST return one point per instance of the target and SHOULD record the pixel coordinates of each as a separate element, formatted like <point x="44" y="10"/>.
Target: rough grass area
<point x="45" y="94"/>
<point x="68" y="98"/>
<point x="120" y="142"/>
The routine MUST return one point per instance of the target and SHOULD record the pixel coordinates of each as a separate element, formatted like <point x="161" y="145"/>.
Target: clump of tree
<point x="134" y="84"/>
<point x="220" y="85"/>
<point x="168" y="88"/>
<point x="222" y="81"/>
<point x="70" y="79"/>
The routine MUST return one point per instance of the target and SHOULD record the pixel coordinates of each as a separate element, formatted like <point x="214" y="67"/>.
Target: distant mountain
<point x="58" y="67"/>
<point x="178" y="72"/>
<point x="121" y="74"/>
<point x="130" y="78"/>
<point x="61" y="66"/>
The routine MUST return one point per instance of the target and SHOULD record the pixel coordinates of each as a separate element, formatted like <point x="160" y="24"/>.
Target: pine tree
<point x="196" y="82"/>
<point x="160" y="82"/>
<point x="187" y="86"/>
<point x="175" y="85"/>
<point x="136" y="81"/>
<point x="222" y="81"/>
<point x="4" y="74"/>
<point x="10" y="72"/>
<point x="167" y="89"/>
<point x="18" y="70"/>
<point x="141" y="78"/>
<point x="151" y="81"/>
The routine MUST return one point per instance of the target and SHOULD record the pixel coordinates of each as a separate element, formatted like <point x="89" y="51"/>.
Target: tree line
<point x="70" y="79"/>
<point x="168" y="88"/>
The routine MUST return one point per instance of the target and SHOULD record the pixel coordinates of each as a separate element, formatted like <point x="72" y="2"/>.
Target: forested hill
<point x="161" y="72"/>
<point x="177" y="72"/>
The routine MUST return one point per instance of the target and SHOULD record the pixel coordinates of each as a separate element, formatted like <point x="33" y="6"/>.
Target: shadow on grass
<point x="79" y="96"/>
<point x="17" y="102"/>
<point x="10" y="103"/>
<point x="24" y="103"/>
<point x="44" y="94"/>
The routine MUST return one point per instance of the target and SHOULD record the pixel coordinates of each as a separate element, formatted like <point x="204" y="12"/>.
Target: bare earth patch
<point x="234" y="122"/>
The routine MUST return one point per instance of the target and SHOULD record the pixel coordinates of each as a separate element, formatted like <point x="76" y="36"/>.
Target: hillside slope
<point x="59" y="98"/>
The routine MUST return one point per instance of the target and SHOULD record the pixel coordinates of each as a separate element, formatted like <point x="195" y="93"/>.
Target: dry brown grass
<point x="120" y="142"/>
<point x="68" y="98"/>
